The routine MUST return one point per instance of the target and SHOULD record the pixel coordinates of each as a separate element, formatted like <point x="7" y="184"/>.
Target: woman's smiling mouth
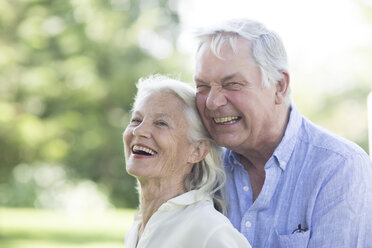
<point x="141" y="150"/>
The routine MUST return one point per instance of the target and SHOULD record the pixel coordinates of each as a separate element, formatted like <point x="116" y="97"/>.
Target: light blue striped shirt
<point x="315" y="179"/>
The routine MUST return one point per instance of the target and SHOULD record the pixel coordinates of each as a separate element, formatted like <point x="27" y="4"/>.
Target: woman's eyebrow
<point x="163" y="115"/>
<point x="136" y="113"/>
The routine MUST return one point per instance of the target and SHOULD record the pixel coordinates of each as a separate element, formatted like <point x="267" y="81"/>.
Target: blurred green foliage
<point x="67" y="78"/>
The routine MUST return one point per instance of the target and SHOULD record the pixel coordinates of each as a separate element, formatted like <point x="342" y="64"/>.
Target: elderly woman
<point x="178" y="169"/>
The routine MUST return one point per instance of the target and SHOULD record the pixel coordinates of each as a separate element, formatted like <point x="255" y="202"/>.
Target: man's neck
<point x="256" y="154"/>
<point x="254" y="158"/>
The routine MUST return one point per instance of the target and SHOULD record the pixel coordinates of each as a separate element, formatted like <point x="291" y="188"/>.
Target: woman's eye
<point x="135" y="120"/>
<point x="161" y="123"/>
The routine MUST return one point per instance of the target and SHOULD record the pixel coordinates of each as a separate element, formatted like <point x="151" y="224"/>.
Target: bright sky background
<point x="315" y="33"/>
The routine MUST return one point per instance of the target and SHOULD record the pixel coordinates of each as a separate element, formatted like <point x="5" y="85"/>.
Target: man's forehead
<point x="223" y="47"/>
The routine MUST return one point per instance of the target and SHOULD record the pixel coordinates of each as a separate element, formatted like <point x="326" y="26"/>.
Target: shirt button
<point x="235" y="162"/>
<point x="245" y="188"/>
<point x="248" y="224"/>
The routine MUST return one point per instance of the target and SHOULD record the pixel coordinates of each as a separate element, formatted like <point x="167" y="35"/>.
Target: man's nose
<point x="143" y="129"/>
<point x="215" y="98"/>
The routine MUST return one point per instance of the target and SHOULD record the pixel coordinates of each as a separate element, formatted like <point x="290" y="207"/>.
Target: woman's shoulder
<point x="203" y="216"/>
<point x="215" y="229"/>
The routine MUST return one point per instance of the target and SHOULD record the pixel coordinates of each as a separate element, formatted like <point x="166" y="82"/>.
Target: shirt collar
<point x="183" y="200"/>
<point x="285" y="148"/>
<point x="231" y="160"/>
<point x="188" y="198"/>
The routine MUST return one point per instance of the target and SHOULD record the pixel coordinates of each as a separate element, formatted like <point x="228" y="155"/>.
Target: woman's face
<point x="156" y="139"/>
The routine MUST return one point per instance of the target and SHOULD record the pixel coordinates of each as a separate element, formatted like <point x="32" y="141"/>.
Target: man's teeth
<point x="144" y="149"/>
<point x="226" y="120"/>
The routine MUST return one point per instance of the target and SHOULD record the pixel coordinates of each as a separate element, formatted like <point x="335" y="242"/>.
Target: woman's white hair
<point x="267" y="48"/>
<point x="208" y="175"/>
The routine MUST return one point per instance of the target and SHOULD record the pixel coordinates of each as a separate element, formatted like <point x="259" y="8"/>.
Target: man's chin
<point x="225" y="141"/>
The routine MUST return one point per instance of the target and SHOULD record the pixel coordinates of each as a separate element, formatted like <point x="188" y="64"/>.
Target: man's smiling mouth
<point x="226" y="120"/>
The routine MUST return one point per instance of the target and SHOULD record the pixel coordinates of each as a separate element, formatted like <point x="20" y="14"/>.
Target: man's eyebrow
<point x="229" y="77"/>
<point x="198" y="80"/>
<point x="224" y="79"/>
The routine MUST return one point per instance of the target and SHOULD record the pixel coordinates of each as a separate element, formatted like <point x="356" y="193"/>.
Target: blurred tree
<point x="67" y="78"/>
<point x="340" y="104"/>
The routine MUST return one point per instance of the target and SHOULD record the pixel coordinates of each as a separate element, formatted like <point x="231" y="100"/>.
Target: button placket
<point x="248" y="224"/>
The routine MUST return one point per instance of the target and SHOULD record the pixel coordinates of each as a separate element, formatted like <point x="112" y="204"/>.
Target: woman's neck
<point x="154" y="193"/>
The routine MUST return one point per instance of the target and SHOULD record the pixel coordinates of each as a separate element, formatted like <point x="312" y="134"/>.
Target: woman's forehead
<point x="160" y="103"/>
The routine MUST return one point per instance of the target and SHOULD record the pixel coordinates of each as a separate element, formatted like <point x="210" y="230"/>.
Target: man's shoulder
<point x="323" y="141"/>
<point x="322" y="153"/>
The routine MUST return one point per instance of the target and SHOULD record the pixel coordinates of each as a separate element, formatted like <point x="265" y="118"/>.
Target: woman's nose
<point x="142" y="130"/>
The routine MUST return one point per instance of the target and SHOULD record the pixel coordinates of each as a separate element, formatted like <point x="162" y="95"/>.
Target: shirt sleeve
<point x="226" y="236"/>
<point x="342" y="215"/>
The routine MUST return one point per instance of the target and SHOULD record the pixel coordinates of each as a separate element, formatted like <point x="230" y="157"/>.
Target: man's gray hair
<point x="207" y="175"/>
<point x="267" y="48"/>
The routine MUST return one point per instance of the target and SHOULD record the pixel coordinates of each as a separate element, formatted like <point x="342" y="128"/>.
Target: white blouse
<point x="186" y="221"/>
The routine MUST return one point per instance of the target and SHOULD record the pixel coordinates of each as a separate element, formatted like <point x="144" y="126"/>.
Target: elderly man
<point x="290" y="182"/>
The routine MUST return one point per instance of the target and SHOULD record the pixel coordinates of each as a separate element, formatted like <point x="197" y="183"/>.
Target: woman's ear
<point x="199" y="151"/>
<point x="282" y="88"/>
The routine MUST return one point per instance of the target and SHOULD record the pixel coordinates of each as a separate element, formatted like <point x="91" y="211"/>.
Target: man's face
<point x="237" y="110"/>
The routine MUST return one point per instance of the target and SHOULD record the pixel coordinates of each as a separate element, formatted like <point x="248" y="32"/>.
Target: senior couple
<point x="278" y="180"/>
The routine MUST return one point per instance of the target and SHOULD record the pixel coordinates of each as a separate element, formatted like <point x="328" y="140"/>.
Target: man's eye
<point x="202" y="88"/>
<point x="232" y="85"/>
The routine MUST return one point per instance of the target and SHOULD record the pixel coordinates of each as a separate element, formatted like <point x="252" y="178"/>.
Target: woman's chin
<point x="138" y="172"/>
<point x="133" y="171"/>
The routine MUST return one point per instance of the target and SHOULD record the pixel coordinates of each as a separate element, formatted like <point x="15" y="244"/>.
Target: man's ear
<point x="282" y="88"/>
<point x="199" y="151"/>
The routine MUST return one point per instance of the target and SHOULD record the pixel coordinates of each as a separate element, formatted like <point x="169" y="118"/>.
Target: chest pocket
<point x="295" y="240"/>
